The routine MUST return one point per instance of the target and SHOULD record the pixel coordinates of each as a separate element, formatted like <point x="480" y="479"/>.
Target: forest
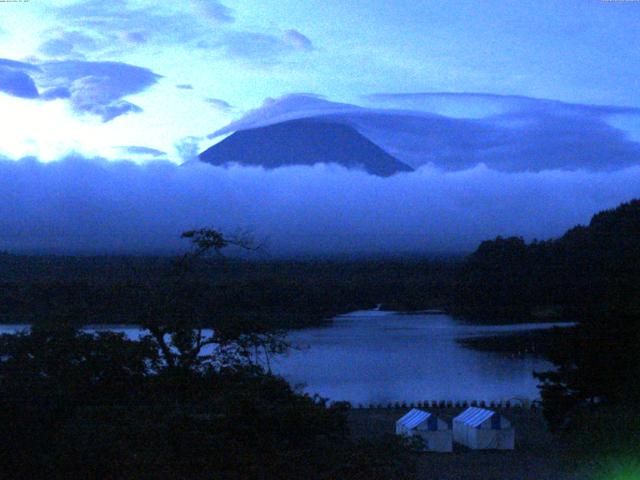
<point x="285" y="293"/>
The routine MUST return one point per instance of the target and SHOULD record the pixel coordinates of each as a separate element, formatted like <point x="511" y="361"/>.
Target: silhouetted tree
<point x="83" y="405"/>
<point x="182" y="327"/>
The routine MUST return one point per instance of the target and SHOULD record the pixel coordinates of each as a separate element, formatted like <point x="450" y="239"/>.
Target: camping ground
<point x="538" y="454"/>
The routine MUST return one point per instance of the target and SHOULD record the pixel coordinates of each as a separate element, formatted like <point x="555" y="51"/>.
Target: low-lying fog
<point x="78" y="205"/>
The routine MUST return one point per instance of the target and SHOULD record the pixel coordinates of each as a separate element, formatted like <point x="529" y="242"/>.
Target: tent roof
<point x="414" y="418"/>
<point x="474" y="416"/>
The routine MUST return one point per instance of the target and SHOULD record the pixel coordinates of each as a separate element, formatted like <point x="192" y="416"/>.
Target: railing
<point x="441" y="404"/>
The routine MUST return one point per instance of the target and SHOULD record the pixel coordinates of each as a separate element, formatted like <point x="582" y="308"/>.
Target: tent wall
<point x="494" y="439"/>
<point x="434" y="432"/>
<point x="484" y="438"/>
<point x="437" y="441"/>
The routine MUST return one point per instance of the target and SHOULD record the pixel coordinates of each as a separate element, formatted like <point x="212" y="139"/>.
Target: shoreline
<point x="536" y="343"/>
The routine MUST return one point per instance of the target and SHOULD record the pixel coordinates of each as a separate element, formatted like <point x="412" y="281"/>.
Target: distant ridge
<point x="304" y="142"/>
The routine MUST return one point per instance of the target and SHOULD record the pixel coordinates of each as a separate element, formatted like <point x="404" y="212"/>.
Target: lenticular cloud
<point x="79" y="205"/>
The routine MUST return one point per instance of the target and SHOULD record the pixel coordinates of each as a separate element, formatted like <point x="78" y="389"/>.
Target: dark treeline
<point x="75" y="405"/>
<point x="590" y="275"/>
<point x="285" y="293"/>
<point x="589" y="271"/>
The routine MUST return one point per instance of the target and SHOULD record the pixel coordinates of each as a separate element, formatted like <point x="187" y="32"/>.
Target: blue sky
<point x="110" y="75"/>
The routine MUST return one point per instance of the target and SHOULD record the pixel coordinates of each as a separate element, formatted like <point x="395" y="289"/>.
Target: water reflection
<point x="380" y="357"/>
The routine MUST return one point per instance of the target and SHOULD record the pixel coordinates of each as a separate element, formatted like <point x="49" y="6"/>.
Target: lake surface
<point x="379" y="357"/>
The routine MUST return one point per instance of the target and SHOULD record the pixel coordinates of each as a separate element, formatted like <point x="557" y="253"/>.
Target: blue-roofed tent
<point x="479" y="428"/>
<point x="435" y="432"/>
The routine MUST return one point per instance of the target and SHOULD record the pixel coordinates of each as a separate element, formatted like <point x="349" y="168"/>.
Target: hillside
<point x="589" y="270"/>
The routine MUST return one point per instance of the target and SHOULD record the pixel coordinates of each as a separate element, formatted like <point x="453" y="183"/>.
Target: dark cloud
<point x="213" y="10"/>
<point x="118" y="24"/>
<point x="260" y="48"/>
<point x="56" y="93"/>
<point x="92" y="206"/>
<point x="287" y="107"/>
<point x="135" y="37"/>
<point x="297" y="40"/>
<point x="70" y="44"/>
<point x="138" y="150"/>
<point x="219" y="104"/>
<point x="5" y="62"/>
<point x="106" y="111"/>
<point x="503" y="132"/>
<point x="188" y="148"/>
<point x="98" y="88"/>
<point x="16" y="78"/>
<point x="485" y="104"/>
<point x="56" y="47"/>
<point x="17" y="83"/>
<point x="121" y="79"/>
<point x="255" y="47"/>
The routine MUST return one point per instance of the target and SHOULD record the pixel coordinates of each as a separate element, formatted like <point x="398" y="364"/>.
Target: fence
<point x="435" y="404"/>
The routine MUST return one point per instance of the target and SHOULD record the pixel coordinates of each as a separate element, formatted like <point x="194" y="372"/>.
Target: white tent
<point x="434" y="432"/>
<point x="478" y="428"/>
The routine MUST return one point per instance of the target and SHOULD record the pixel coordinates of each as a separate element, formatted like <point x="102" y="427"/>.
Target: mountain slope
<point x="304" y="142"/>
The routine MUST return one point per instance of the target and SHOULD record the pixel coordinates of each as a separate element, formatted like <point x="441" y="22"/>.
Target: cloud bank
<point x="460" y="131"/>
<point x="77" y="205"/>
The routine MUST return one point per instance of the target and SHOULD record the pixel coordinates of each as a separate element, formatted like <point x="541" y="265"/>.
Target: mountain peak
<point x="304" y="142"/>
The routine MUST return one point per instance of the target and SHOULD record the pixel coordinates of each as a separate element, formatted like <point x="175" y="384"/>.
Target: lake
<point x="379" y="357"/>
